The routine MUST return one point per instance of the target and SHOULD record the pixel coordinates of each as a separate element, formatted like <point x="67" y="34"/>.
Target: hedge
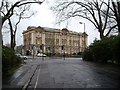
<point x="104" y="50"/>
<point x="9" y="61"/>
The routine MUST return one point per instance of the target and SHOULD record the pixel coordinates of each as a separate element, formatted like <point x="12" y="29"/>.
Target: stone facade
<point x="54" y="41"/>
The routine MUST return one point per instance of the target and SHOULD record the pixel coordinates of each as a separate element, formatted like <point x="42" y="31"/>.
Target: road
<point x="60" y="73"/>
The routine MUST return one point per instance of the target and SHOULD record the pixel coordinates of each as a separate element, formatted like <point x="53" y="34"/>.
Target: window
<point x="38" y="34"/>
<point x="64" y="41"/>
<point x="38" y="42"/>
<point x="69" y="42"/>
<point x="57" y="41"/>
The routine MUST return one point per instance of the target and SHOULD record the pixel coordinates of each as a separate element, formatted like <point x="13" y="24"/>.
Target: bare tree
<point x="7" y="10"/>
<point x="116" y="10"/>
<point x="11" y="7"/>
<point x="20" y="14"/>
<point x="96" y="11"/>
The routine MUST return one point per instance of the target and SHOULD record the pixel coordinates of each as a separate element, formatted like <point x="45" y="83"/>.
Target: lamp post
<point x="42" y="48"/>
<point x="63" y="48"/>
<point x="84" y="25"/>
<point x="83" y="33"/>
<point x="33" y="47"/>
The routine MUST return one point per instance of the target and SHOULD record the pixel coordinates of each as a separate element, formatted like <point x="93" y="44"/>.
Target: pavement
<point x="69" y="73"/>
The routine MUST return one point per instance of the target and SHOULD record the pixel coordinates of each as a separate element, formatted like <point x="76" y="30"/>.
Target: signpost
<point x="63" y="48"/>
<point x="33" y="46"/>
<point x="42" y="48"/>
<point x="84" y="35"/>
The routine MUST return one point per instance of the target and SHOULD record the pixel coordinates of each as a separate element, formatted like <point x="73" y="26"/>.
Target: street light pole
<point x="84" y="25"/>
<point x="63" y="48"/>
<point x="42" y="47"/>
<point x="83" y="33"/>
<point x="33" y="46"/>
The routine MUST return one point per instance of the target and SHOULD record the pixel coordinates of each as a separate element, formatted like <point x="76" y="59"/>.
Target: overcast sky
<point x="45" y="18"/>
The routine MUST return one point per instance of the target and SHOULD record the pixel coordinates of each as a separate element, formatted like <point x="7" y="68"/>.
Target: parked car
<point x="23" y="57"/>
<point x="41" y="55"/>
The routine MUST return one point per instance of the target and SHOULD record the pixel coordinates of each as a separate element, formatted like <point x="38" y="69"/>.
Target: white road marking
<point x="37" y="79"/>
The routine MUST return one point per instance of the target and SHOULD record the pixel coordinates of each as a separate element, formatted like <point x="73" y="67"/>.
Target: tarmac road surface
<point x="59" y="73"/>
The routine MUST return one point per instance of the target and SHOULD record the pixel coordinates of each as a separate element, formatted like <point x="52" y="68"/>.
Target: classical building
<point x="54" y="41"/>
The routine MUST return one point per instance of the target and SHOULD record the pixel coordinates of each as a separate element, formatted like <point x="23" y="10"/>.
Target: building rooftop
<point x="50" y="29"/>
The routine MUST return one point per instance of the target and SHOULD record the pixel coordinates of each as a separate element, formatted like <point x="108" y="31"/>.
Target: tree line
<point x="105" y="50"/>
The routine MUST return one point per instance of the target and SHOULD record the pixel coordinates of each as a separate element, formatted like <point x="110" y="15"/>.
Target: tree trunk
<point x="1" y="38"/>
<point x="1" y="41"/>
<point x="12" y="42"/>
<point x="0" y="62"/>
<point x="116" y="7"/>
<point x="101" y="31"/>
<point x="101" y="36"/>
<point x="12" y="35"/>
<point x="119" y="26"/>
<point x="118" y="18"/>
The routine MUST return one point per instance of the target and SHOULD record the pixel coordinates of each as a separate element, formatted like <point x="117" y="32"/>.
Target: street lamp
<point x="83" y="33"/>
<point x="84" y="25"/>
<point x="42" y="48"/>
<point x="33" y="47"/>
<point x="63" y="48"/>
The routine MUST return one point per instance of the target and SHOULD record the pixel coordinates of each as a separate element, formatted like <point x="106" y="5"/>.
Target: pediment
<point x="65" y="30"/>
<point x="40" y="29"/>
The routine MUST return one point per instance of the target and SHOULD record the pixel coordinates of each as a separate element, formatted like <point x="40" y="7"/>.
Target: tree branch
<point x="110" y="30"/>
<point x="16" y="4"/>
<point x="28" y="3"/>
<point x="106" y="18"/>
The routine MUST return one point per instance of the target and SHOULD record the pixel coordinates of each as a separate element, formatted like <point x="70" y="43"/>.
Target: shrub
<point x="115" y="48"/>
<point x="101" y="50"/>
<point x="105" y="50"/>
<point x="79" y="53"/>
<point x="9" y="60"/>
<point x="87" y="55"/>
